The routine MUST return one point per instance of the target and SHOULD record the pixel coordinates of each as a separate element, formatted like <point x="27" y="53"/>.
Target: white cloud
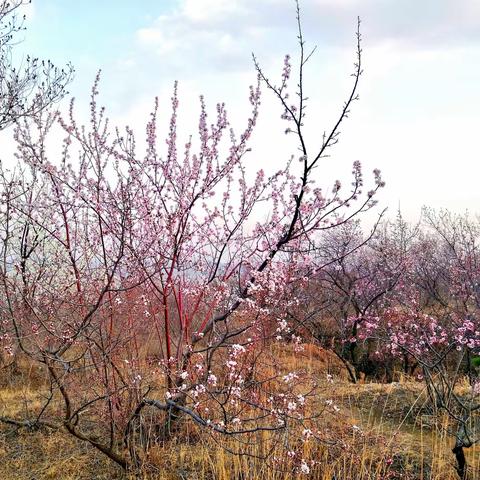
<point x="210" y="11"/>
<point x="218" y="35"/>
<point x="415" y="119"/>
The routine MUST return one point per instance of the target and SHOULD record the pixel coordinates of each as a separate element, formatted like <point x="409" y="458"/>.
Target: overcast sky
<point x="417" y="119"/>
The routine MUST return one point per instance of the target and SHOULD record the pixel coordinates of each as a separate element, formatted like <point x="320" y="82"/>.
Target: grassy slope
<point x="382" y="432"/>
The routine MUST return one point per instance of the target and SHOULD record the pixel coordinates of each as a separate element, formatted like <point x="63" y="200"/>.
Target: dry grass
<point x="381" y="432"/>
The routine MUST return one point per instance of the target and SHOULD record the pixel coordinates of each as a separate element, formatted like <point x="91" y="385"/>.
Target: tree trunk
<point x="461" y="467"/>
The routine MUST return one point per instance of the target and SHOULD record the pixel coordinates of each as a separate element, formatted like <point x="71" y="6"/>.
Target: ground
<point x="381" y="431"/>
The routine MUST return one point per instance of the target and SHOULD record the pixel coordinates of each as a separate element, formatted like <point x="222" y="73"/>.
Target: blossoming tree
<point x="143" y="281"/>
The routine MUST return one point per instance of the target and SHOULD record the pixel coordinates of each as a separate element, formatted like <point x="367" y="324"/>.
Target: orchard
<point x="158" y="288"/>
